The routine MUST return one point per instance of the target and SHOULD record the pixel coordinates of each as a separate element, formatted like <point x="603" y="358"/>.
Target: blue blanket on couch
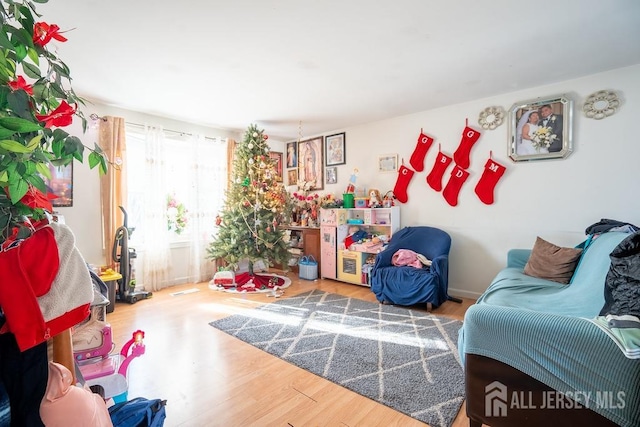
<point x="542" y="328"/>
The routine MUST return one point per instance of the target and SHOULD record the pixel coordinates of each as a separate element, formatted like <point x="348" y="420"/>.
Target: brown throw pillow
<point x="551" y="262"/>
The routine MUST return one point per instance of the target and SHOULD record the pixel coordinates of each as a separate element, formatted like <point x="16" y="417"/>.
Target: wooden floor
<point x="211" y="379"/>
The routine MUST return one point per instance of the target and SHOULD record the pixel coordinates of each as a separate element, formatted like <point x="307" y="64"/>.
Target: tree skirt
<point x="266" y="282"/>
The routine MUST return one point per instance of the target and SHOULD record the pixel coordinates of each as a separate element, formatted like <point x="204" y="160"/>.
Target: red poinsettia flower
<point x="61" y="116"/>
<point x="35" y="198"/>
<point x="21" y="83"/>
<point x="43" y="33"/>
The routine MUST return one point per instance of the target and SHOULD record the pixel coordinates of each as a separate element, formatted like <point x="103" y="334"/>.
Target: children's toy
<point x="222" y="278"/>
<point x="111" y="372"/>
<point x="387" y="201"/>
<point x="92" y="345"/>
<point x="355" y="235"/>
<point x="375" y="201"/>
<point x="351" y="187"/>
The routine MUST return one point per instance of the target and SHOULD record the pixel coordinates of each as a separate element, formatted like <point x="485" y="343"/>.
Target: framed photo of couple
<point x="540" y="129"/>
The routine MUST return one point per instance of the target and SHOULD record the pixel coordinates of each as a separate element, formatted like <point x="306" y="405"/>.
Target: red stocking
<point x="461" y="156"/>
<point x="451" y="191"/>
<point x="404" y="178"/>
<point x="417" y="158"/>
<point x="434" y="179"/>
<point x="492" y="173"/>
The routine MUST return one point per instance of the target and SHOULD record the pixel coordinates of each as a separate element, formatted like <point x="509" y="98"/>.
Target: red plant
<point x="43" y="33"/>
<point x="61" y="116"/>
<point x="21" y="83"/>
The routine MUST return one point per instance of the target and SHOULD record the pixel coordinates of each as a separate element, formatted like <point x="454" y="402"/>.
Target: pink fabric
<point x="67" y="405"/>
<point x="406" y="257"/>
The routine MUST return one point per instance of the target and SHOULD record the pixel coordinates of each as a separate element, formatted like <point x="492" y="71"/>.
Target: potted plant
<point x="36" y="102"/>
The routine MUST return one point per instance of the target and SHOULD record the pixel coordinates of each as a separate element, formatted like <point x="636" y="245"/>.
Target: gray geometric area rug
<point x="405" y="359"/>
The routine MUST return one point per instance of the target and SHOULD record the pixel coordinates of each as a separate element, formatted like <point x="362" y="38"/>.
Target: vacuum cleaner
<point x="125" y="256"/>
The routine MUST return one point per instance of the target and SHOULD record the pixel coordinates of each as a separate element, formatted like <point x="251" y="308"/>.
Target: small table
<point x="110" y="278"/>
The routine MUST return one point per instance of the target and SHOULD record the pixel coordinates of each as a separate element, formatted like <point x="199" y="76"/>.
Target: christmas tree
<point x="256" y="203"/>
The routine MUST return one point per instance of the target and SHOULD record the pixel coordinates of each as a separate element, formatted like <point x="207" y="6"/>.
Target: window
<point x="195" y="174"/>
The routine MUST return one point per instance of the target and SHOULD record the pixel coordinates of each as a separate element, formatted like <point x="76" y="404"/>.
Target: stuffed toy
<point x="375" y="200"/>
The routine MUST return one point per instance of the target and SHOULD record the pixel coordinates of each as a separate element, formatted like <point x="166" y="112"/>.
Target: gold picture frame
<point x="276" y="156"/>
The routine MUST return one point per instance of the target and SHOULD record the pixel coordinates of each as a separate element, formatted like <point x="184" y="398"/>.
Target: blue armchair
<point x="404" y="285"/>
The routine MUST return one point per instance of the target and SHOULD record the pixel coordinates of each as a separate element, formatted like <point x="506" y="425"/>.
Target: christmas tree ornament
<point x="245" y="182"/>
<point x="451" y="191"/>
<point x="434" y="179"/>
<point x="469" y="137"/>
<point x="265" y="136"/>
<point x="485" y="188"/>
<point x="417" y="158"/>
<point x="402" y="182"/>
<point x="251" y="161"/>
<point x="250" y="146"/>
<point x="255" y="134"/>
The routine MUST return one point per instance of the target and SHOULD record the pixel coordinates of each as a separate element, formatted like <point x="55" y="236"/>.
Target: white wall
<point x="555" y="199"/>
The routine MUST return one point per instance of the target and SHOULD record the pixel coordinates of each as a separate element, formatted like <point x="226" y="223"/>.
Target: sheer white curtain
<point x="156" y="258"/>
<point x="209" y="173"/>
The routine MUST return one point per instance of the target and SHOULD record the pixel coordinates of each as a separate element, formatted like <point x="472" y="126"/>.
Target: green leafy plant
<point x="36" y="100"/>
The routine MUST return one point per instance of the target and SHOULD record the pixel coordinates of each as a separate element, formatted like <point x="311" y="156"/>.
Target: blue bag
<point x="308" y="268"/>
<point x="138" y="412"/>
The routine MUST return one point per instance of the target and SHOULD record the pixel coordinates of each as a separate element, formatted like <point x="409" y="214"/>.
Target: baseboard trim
<point x="464" y="294"/>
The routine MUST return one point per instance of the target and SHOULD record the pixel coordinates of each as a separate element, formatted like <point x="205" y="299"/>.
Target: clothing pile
<point x="620" y="316"/>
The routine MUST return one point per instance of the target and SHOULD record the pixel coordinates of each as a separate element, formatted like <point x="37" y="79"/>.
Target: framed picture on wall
<point x="332" y="174"/>
<point x="292" y="176"/>
<point x="540" y="129"/>
<point x="61" y="185"/>
<point x="277" y="158"/>
<point x="292" y="155"/>
<point x="335" y="149"/>
<point x="310" y="163"/>
<point x="388" y="163"/>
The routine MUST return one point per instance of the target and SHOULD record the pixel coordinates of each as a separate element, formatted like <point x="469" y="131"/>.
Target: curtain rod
<point x="174" y="131"/>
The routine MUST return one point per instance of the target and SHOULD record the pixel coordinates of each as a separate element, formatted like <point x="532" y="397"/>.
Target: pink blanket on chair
<point x="410" y="258"/>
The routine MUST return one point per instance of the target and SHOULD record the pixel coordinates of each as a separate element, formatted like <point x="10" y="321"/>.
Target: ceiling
<point x="330" y="64"/>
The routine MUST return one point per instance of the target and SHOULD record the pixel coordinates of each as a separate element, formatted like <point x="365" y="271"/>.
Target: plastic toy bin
<point x="308" y="268"/>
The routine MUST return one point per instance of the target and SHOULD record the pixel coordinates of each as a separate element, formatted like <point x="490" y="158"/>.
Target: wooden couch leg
<point x="429" y="307"/>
